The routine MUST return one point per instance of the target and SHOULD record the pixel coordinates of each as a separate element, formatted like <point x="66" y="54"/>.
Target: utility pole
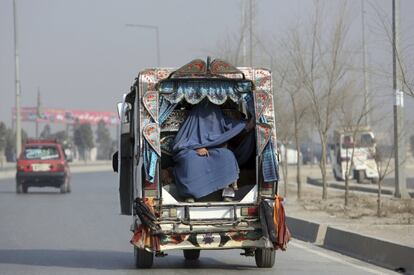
<point x="399" y="141"/>
<point x="17" y="82"/>
<point x="364" y="66"/>
<point x="251" y="33"/>
<point x="243" y="33"/>
<point x="157" y="38"/>
<point x="38" y="112"/>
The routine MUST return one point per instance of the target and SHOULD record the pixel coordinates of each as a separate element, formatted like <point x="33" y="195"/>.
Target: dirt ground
<point x="395" y="224"/>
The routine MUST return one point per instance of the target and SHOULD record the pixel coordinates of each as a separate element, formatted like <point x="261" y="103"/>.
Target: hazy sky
<point x="82" y="56"/>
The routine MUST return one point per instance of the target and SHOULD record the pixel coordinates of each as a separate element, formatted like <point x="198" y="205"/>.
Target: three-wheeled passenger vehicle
<point x="151" y="114"/>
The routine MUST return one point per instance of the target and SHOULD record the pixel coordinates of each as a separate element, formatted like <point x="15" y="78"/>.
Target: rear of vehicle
<point x="42" y="163"/>
<point x="357" y="155"/>
<point x="151" y="115"/>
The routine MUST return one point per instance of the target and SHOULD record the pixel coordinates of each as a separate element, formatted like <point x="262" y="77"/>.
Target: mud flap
<point x="126" y="175"/>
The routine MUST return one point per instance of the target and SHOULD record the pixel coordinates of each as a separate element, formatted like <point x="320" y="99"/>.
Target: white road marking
<point x="337" y="259"/>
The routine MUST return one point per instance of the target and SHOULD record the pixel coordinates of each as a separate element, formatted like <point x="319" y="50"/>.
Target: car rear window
<point x="41" y="152"/>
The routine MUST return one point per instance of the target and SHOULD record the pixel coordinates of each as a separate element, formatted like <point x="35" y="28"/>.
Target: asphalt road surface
<point x="45" y="232"/>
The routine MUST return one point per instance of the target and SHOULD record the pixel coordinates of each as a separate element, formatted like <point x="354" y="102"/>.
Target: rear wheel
<point x="143" y="258"/>
<point x="68" y="187"/>
<point x="191" y="255"/>
<point x="19" y="188"/>
<point x="360" y="176"/>
<point x="265" y="257"/>
<point x="65" y="187"/>
<point x="337" y="178"/>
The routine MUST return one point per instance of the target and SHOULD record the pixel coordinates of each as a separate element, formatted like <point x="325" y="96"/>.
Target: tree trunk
<point x="298" y="164"/>
<point x="346" y="189"/>
<point x="285" y="173"/>
<point x="379" y="198"/>
<point x="347" y="171"/>
<point x="323" y="172"/>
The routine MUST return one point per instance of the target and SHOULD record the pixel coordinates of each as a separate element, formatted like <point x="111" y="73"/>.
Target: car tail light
<point x="266" y="188"/>
<point x="20" y="167"/>
<point x="249" y="211"/>
<point x="60" y="167"/>
<point x="150" y="189"/>
<point x="169" y="213"/>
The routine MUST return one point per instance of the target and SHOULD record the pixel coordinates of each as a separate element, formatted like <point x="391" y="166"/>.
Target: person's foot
<point x="190" y="200"/>
<point x="234" y="185"/>
<point x="228" y="194"/>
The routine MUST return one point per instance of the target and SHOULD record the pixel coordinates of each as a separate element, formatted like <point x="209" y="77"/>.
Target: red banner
<point x="66" y="116"/>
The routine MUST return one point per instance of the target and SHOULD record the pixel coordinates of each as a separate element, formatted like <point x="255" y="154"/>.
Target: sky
<point x="80" y="54"/>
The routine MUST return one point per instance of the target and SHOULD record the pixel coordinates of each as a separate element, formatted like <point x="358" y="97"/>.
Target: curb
<point x="379" y="252"/>
<point x="384" y="191"/>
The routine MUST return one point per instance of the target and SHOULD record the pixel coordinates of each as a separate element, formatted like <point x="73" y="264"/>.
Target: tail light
<point x="266" y="188"/>
<point x="150" y="189"/>
<point x="60" y="167"/>
<point x="249" y="211"/>
<point x="169" y="213"/>
<point x="57" y="167"/>
<point x="20" y="167"/>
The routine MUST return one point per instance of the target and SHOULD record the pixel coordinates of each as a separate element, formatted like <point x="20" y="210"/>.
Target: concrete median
<point x="380" y="252"/>
<point x="356" y="187"/>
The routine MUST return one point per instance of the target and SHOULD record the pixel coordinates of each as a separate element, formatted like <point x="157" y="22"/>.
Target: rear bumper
<point x="204" y="226"/>
<point x="208" y="237"/>
<point x="40" y="179"/>
<point x="236" y="239"/>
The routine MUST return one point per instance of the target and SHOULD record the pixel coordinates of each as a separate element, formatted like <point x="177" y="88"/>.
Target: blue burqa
<point x="205" y="127"/>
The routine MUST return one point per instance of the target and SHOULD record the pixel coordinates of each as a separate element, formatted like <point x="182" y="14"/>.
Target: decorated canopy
<point x="162" y="89"/>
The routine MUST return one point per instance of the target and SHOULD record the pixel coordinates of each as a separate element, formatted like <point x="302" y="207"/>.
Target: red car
<point x="42" y="163"/>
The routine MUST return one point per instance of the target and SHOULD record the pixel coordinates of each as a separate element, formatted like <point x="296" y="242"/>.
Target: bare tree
<point x="233" y="47"/>
<point x="383" y="25"/>
<point x="322" y="67"/>
<point x="283" y="119"/>
<point x="384" y="160"/>
<point x="352" y="121"/>
<point x="292" y="86"/>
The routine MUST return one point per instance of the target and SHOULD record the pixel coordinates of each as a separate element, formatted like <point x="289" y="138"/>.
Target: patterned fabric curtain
<point x="195" y="91"/>
<point x="150" y="156"/>
<point x="270" y="165"/>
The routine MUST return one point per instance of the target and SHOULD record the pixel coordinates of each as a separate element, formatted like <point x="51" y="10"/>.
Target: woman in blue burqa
<point x="203" y="164"/>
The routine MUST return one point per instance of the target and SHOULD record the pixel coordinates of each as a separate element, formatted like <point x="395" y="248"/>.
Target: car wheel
<point x="265" y="257"/>
<point x="360" y="176"/>
<point x="191" y="255"/>
<point x="336" y="176"/>
<point x="143" y="258"/>
<point x="68" y="188"/>
<point x="63" y="188"/>
<point x="19" y="188"/>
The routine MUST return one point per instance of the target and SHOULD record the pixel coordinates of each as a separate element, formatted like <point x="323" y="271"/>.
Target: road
<point x="45" y="232"/>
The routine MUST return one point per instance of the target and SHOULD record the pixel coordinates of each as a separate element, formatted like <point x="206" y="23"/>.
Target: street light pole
<point x="364" y="66"/>
<point x="17" y="84"/>
<point x="251" y="33"/>
<point x="157" y="38"/>
<point x="399" y="141"/>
